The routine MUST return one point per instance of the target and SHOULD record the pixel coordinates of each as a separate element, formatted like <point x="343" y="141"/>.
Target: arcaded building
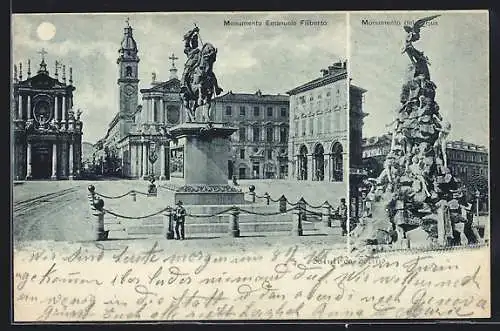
<point x="318" y="139"/>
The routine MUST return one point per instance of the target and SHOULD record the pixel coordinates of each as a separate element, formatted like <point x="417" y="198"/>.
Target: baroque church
<point x="47" y="134"/>
<point x="136" y="134"/>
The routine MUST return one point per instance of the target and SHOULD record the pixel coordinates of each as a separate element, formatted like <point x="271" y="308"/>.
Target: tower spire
<point x="173" y="69"/>
<point x="64" y="73"/>
<point x="29" y="68"/>
<point x="70" y="75"/>
<point x="20" y="71"/>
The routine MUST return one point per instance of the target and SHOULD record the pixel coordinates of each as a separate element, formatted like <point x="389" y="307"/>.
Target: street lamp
<point x="152" y="158"/>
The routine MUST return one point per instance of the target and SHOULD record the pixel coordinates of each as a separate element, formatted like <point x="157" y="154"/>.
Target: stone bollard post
<point x="251" y="188"/>
<point x="133" y="195"/>
<point x="267" y="197"/>
<point x="98" y="213"/>
<point x="235" y="226"/>
<point x="302" y="209"/>
<point x="327" y="214"/>
<point x="168" y="224"/>
<point x="91" y="195"/>
<point x="282" y="204"/>
<point x="297" y="222"/>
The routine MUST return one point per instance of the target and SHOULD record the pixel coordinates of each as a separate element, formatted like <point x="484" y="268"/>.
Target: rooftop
<point x="334" y="72"/>
<point x="256" y="97"/>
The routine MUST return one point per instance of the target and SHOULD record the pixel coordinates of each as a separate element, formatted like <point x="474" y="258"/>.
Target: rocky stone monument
<point x="200" y="148"/>
<point x="416" y="201"/>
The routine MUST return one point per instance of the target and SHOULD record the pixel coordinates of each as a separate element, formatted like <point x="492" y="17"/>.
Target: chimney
<point x="324" y="72"/>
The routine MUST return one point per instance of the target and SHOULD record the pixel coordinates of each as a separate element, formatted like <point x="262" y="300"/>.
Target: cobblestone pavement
<point x="59" y="210"/>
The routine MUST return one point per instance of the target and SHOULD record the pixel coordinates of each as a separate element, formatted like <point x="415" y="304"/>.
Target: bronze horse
<point x="200" y="84"/>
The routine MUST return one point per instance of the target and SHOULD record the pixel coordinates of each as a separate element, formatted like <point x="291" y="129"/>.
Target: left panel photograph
<point x="177" y="166"/>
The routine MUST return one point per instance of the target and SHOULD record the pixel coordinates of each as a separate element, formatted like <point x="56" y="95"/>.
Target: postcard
<point x="250" y="166"/>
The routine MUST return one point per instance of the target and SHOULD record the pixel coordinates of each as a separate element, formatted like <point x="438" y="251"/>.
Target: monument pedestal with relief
<point x="199" y="154"/>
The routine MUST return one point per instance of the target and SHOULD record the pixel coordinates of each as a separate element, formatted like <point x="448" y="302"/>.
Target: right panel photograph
<point x="419" y="130"/>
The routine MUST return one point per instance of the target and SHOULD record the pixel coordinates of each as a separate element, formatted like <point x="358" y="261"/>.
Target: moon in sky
<point x="46" y="31"/>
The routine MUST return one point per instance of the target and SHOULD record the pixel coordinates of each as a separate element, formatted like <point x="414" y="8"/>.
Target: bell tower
<point x="128" y="65"/>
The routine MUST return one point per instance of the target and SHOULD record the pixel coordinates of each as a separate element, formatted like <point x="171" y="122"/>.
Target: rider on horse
<point x="194" y="53"/>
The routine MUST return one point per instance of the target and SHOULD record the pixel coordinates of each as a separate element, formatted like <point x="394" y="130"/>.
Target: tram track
<point x="26" y="205"/>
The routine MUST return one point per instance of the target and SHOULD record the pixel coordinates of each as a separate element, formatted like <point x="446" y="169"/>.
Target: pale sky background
<point x="457" y="48"/>
<point x="273" y="59"/>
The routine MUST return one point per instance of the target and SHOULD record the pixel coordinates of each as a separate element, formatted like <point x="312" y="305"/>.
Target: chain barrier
<point x="212" y="215"/>
<point x="119" y="196"/>
<point x="294" y="204"/>
<point x="265" y="214"/>
<point x="234" y="208"/>
<point x="135" y="217"/>
<point x="113" y="197"/>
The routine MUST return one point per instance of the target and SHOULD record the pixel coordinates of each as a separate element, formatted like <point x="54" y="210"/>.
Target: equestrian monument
<point x="200" y="147"/>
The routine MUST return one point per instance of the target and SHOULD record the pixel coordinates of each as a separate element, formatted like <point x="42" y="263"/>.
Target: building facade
<point x="317" y="143"/>
<point x="259" y="148"/>
<point x="47" y="132"/>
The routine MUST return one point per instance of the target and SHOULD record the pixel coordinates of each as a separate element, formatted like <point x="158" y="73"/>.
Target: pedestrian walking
<point x="180" y="217"/>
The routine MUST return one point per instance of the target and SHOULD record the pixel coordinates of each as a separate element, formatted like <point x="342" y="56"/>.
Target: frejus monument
<point x="200" y="148"/>
<point x="416" y="201"/>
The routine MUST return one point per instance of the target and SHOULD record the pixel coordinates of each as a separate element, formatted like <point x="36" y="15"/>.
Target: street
<point x="60" y="211"/>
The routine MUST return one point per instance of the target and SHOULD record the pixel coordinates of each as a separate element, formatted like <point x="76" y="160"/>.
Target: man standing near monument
<point x="342" y="212"/>
<point x="180" y="217"/>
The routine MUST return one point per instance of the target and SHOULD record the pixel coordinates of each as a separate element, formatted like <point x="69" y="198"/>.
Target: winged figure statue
<point x="414" y="31"/>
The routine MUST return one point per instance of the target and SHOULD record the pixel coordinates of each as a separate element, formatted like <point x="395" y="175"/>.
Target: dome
<point x="128" y="41"/>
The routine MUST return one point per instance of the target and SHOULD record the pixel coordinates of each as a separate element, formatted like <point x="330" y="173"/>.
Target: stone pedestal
<point x="202" y="151"/>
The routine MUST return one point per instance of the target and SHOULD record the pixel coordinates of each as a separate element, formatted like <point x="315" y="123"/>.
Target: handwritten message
<point x="110" y="282"/>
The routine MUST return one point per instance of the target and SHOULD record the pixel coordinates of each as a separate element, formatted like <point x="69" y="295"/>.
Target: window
<point x="155" y="111"/>
<point x="269" y="111"/>
<point x="242" y="111"/>
<point x="242" y="133"/>
<point x="242" y="153"/>
<point x="283" y="135"/>
<point x="228" y="111"/>
<point x="256" y="111"/>
<point x="283" y="112"/>
<point x="269" y="134"/>
<point x="128" y="71"/>
<point x="256" y="133"/>
<point x="270" y="154"/>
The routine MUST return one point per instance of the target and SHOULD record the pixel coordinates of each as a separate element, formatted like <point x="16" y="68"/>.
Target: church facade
<point x="136" y="136"/>
<point x="47" y="134"/>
